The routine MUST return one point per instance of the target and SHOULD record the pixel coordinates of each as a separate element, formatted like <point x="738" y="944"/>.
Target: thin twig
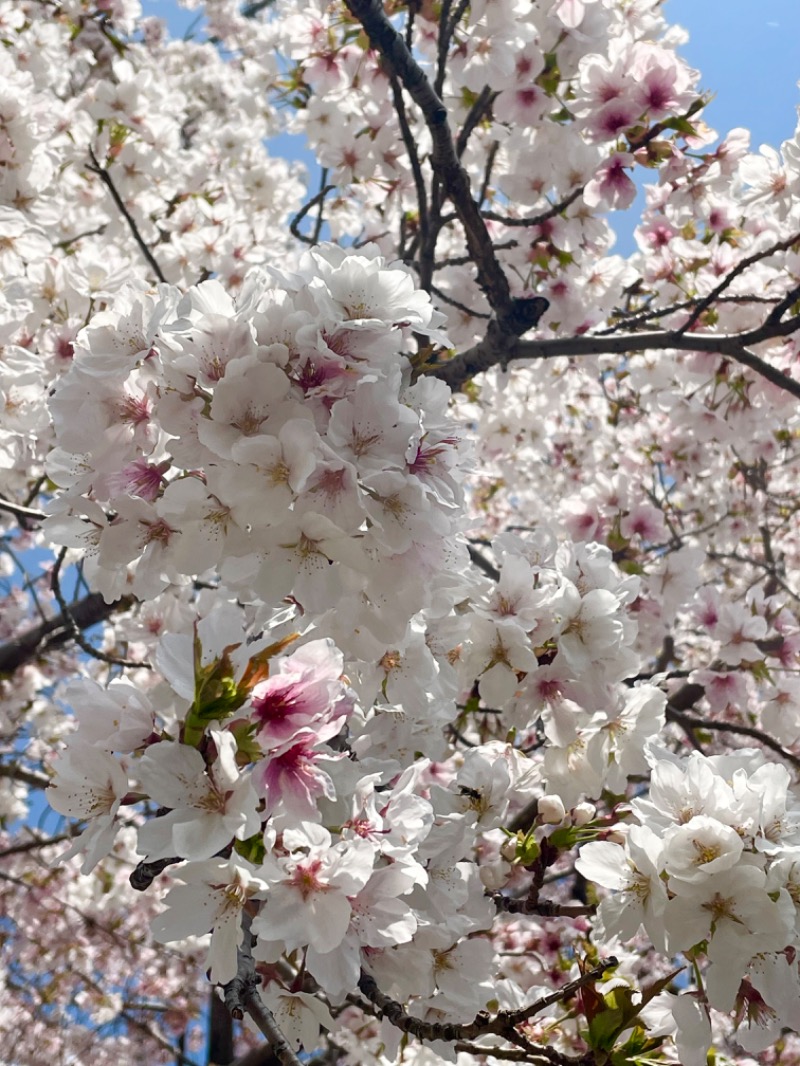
<point x="436" y="291"/>
<point x="537" y="220"/>
<point x="462" y="260"/>
<point x="416" y="169"/>
<point x="629" y="320"/>
<point x="502" y="1024"/>
<point x="34" y="845"/>
<point x="108" y="181"/>
<point x="476" y="113"/>
<point x="317" y="198"/>
<point x="685" y="720"/>
<point x="491" y="155"/>
<point x="72" y="625"/>
<point x="741" y="266"/>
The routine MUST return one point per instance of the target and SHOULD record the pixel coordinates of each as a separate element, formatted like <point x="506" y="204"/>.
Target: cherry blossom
<point x="398" y="595"/>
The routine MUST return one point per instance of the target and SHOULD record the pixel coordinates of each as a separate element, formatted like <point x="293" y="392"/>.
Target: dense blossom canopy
<point x="400" y="610"/>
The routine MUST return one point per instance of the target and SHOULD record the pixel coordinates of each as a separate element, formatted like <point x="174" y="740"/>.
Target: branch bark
<point x="241" y="997"/>
<point x="58" y="630"/>
<point x="495" y="350"/>
<point x="514" y="316"/>
<point x="502" y="1024"/>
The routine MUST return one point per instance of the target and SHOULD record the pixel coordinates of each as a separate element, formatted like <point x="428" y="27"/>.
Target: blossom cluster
<point x="711" y="869"/>
<point x="373" y="660"/>
<point x="275" y="437"/>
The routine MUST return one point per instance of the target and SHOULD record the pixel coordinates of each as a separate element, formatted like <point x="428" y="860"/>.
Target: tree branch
<point x="688" y="721"/>
<point x="108" y="181"/>
<point x="737" y="271"/>
<point x="27" y="777"/>
<point x="385" y="39"/>
<point x="499" y="350"/>
<point x="87" y="612"/>
<point x="482" y="563"/>
<point x="537" y="220"/>
<point x="27" y="516"/>
<point x="542" y="907"/>
<point x="317" y="198"/>
<point x="241" y="997"/>
<point x="502" y="1024"/>
<point x="76" y="633"/>
<point x="34" y="845"/>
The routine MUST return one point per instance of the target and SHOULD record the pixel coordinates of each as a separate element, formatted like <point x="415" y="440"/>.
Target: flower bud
<point x="551" y="810"/>
<point x="583" y="813"/>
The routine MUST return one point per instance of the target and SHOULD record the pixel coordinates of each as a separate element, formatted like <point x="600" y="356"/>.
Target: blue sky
<point x="747" y="51"/>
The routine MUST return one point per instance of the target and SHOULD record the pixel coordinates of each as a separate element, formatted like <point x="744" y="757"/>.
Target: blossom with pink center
<point x="310" y="903"/>
<point x="307" y="688"/>
<point x="137" y="478"/>
<point x="291" y="778"/>
<point x="645" y="521"/>
<point x="611" y="187"/>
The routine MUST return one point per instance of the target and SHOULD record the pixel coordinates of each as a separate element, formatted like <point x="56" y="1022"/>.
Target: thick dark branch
<point x="241" y="996"/>
<point x="497" y="349"/>
<point x="444" y="159"/>
<point x="542" y="907"/>
<point x="771" y="373"/>
<point x="27" y="777"/>
<point x="265" y="1020"/>
<point x="58" y="631"/>
<point x="780" y="309"/>
<point x="108" y="181"/>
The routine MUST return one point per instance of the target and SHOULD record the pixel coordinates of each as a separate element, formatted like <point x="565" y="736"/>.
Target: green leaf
<point x="216" y="695"/>
<point x="252" y="849"/>
<point x="604" y="1029"/>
